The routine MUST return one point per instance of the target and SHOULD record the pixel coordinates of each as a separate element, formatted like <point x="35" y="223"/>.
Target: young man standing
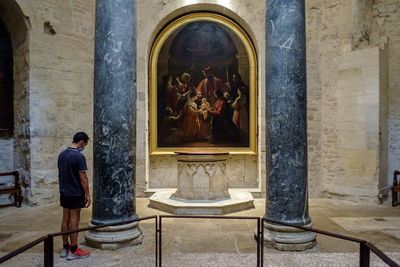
<point x="74" y="193"/>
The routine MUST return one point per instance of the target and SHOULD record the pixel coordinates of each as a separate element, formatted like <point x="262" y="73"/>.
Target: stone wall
<point x="384" y="24"/>
<point x="56" y="89"/>
<point x="16" y="150"/>
<point x="160" y="171"/>
<point x="325" y="37"/>
<point x="357" y="169"/>
<point x="241" y="172"/>
<point x="334" y="28"/>
<point x="6" y="152"/>
<point x="60" y="86"/>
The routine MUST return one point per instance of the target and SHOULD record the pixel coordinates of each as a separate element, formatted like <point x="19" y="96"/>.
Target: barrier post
<point x="364" y="255"/>
<point x="159" y="241"/>
<point x="262" y="242"/>
<point x="49" y="251"/>
<point x="156" y="231"/>
<point x="258" y="243"/>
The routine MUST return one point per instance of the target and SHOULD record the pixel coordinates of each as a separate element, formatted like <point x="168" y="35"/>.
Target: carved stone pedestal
<point x="202" y="188"/>
<point x="202" y="176"/>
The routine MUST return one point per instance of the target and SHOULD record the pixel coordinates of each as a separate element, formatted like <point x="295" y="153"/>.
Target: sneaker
<point x="78" y="254"/>
<point x="63" y="253"/>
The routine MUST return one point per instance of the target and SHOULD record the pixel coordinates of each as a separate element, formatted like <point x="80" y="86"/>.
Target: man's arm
<point x="85" y="184"/>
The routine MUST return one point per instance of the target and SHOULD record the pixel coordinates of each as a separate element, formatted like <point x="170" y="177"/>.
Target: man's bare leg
<point x="65" y="224"/>
<point x="65" y="227"/>
<point x="74" y="225"/>
<point x="75" y="252"/>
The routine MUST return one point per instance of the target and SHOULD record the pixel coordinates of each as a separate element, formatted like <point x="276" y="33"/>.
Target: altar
<point x="202" y="187"/>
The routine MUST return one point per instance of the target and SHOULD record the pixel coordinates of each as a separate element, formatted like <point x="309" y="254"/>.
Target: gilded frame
<point x="252" y="86"/>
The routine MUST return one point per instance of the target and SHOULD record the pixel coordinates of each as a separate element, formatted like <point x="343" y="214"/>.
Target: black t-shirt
<point x="70" y="163"/>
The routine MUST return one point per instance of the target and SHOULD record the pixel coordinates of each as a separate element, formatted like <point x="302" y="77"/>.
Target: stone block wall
<point x="241" y="172"/>
<point x="56" y="96"/>
<point x="15" y="149"/>
<point x="334" y="28"/>
<point x="356" y="171"/>
<point x="385" y="178"/>
<point x="60" y="86"/>
<point x="6" y="153"/>
<point x="161" y="171"/>
<point x="385" y="23"/>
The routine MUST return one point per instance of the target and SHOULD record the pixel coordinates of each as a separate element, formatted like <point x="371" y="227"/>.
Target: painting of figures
<point x="204" y="92"/>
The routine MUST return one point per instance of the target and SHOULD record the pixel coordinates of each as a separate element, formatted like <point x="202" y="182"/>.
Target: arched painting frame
<point x="180" y="119"/>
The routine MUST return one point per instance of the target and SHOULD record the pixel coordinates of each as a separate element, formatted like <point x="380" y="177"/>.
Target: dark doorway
<point x="6" y="83"/>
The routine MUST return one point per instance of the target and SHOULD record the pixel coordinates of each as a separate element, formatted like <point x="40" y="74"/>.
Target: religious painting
<point x="203" y="87"/>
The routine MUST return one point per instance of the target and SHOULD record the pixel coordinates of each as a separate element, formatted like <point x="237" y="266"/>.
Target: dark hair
<point x="208" y="69"/>
<point x="218" y="93"/>
<point x="192" y="93"/>
<point x="238" y="76"/>
<point x="79" y="137"/>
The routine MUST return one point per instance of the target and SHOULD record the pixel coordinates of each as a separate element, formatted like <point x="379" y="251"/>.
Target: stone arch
<point x="17" y="146"/>
<point x="201" y="7"/>
<point x="153" y="161"/>
<point x="209" y="8"/>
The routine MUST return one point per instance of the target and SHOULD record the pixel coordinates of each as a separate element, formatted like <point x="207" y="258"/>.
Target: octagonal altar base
<point x="202" y="188"/>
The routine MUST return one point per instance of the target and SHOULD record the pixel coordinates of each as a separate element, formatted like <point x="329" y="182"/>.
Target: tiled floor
<point x="184" y="238"/>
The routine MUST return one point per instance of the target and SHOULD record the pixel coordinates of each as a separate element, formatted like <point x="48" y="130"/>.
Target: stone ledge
<point x="240" y="200"/>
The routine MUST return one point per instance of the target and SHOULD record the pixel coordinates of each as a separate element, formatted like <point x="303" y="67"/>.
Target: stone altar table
<point x="202" y="187"/>
<point x="202" y="176"/>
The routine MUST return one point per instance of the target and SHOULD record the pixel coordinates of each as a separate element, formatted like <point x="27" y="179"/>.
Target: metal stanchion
<point x="49" y="251"/>
<point x="262" y="242"/>
<point x="364" y="255"/>
<point x="258" y="244"/>
<point x="159" y="241"/>
<point x="156" y="231"/>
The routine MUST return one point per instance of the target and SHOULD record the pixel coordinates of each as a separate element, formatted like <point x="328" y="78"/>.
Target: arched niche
<point x="16" y="146"/>
<point x="189" y="45"/>
<point x="159" y="169"/>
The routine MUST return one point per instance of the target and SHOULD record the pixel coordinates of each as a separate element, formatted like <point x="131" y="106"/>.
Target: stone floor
<point x="204" y="242"/>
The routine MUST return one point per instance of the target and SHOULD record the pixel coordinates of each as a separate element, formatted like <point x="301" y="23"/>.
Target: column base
<point x="115" y="237"/>
<point x="288" y="238"/>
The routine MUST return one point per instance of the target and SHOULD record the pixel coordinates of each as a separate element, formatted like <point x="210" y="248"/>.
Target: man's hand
<point x="88" y="201"/>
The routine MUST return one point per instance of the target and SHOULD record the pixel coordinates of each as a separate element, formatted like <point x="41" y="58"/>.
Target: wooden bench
<point x="14" y="189"/>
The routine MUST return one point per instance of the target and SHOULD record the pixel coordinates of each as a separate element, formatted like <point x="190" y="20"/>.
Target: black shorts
<point x="72" y="202"/>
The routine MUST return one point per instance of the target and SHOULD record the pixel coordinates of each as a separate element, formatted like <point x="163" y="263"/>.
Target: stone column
<point x="286" y="105"/>
<point x="114" y="125"/>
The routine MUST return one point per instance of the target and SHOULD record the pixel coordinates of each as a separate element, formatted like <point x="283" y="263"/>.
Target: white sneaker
<point x="63" y="253"/>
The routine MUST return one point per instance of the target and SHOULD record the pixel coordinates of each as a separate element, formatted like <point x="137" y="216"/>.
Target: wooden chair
<point x="14" y="189"/>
